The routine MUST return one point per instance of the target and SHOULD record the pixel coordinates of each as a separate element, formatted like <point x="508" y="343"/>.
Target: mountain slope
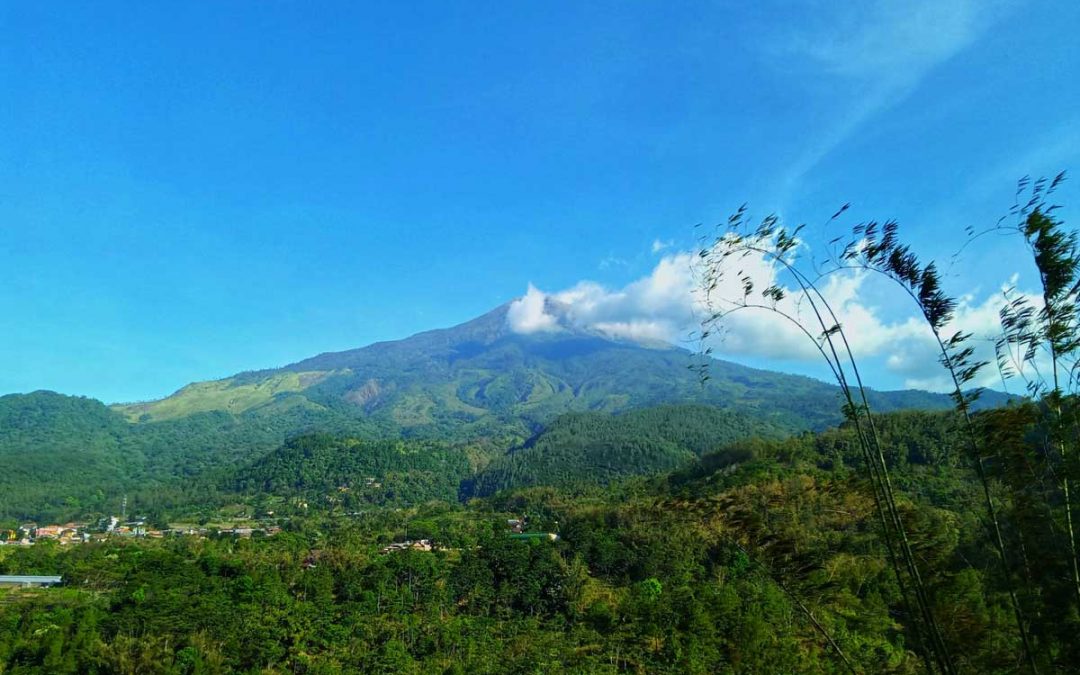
<point x="593" y="448"/>
<point x="66" y="455"/>
<point x="476" y="380"/>
<point x="481" y="378"/>
<point x="589" y="448"/>
<point x="51" y="446"/>
<point x="355" y="473"/>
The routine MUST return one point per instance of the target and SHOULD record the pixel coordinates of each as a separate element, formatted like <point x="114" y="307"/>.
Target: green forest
<point x="759" y="556"/>
<point x="681" y="537"/>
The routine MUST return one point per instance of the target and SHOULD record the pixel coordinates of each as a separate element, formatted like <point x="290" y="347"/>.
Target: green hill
<point x="67" y="455"/>
<point x="352" y="472"/>
<point x="70" y="455"/>
<point x="574" y="449"/>
<point x="595" y="449"/>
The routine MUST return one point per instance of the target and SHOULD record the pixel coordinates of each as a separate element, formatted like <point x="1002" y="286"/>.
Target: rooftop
<point x="29" y="579"/>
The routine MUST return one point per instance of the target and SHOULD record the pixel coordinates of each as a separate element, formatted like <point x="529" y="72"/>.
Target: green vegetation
<point x="596" y="449"/>
<point x="70" y="457"/>
<point x="737" y="537"/>
<point x="58" y="453"/>
<point x="221" y="395"/>
<point x="717" y="567"/>
<point x="87" y="457"/>
<point x="355" y="473"/>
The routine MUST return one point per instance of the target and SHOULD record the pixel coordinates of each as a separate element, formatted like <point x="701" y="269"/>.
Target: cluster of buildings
<point x="408" y="545"/>
<point x="242" y="532"/>
<point x="28" y="534"/>
<point x="78" y="533"/>
<point x="517" y="529"/>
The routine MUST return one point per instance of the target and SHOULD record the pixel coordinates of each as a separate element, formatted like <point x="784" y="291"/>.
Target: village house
<point x="28" y="581"/>
<point x="408" y="545"/>
<point x="48" y="532"/>
<point x="311" y="561"/>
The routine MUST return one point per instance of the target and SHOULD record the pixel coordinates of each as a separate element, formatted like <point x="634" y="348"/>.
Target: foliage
<point x="355" y="473"/>
<point x="596" y="449"/>
<point x="724" y="566"/>
<point x="479" y="382"/>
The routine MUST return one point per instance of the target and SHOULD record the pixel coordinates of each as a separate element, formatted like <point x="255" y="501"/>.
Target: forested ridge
<point x="577" y="451"/>
<point x="595" y="449"/>
<point x="83" y="458"/>
<point x="69" y="457"/>
<point x="715" y="567"/>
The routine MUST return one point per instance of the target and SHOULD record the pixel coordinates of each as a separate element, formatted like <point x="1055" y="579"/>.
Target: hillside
<point x="478" y="380"/>
<point x="763" y="557"/>
<point x="68" y="455"/>
<point x="595" y="449"/>
<point x="575" y="449"/>
<point x="355" y="473"/>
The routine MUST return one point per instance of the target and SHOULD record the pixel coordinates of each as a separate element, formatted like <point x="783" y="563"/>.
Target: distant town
<point x="104" y="529"/>
<point x="31" y="533"/>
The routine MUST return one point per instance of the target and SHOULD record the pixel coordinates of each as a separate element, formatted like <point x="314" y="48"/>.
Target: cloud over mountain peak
<point x="666" y="305"/>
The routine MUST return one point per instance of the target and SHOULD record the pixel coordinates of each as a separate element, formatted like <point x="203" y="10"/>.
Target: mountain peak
<point x="537" y="314"/>
<point x="526" y="360"/>
<point x="483" y="331"/>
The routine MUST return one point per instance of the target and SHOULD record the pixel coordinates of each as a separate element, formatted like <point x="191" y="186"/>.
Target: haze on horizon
<point x="193" y="191"/>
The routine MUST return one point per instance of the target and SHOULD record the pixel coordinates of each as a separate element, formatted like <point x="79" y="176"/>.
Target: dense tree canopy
<point x="760" y="556"/>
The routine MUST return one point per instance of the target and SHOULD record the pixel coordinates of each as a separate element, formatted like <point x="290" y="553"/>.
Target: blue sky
<point x="190" y="190"/>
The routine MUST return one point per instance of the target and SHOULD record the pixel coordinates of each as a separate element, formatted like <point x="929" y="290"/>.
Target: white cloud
<point x="528" y="314"/>
<point x="655" y="307"/>
<point x="914" y="357"/>
<point x="666" y="305"/>
<point x="658" y="245"/>
<point x="638" y="330"/>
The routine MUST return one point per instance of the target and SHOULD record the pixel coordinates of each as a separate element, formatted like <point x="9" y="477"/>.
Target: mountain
<point x="478" y="380"/>
<point x="482" y="378"/>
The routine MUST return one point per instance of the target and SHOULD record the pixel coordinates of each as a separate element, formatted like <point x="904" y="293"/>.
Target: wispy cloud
<point x="879" y="51"/>
<point x="658" y="245"/>
<point x="613" y="261"/>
